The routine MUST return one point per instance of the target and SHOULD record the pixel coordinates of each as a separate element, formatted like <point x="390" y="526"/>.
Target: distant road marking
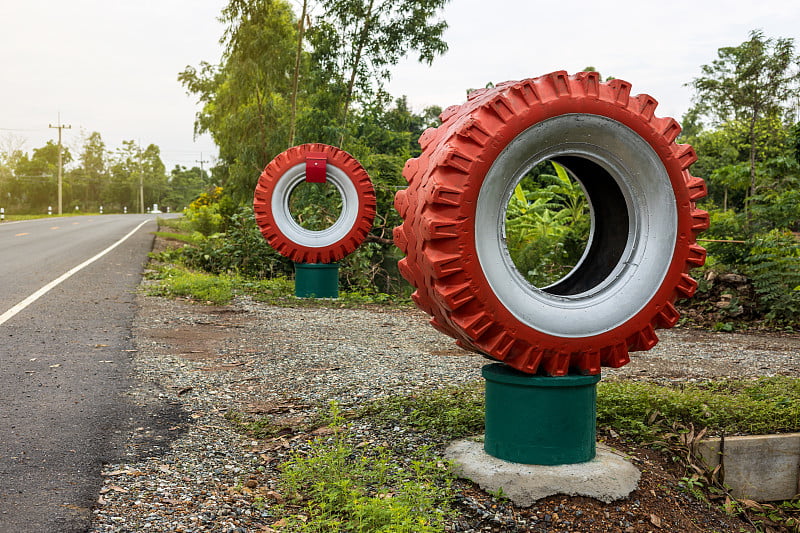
<point x="5" y="317"/>
<point x="21" y="234"/>
<point x="56" y="227"/>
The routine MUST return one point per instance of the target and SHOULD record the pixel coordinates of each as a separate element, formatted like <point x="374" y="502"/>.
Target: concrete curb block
<point x="607" y="477"/>
<point x="759" y="467"/>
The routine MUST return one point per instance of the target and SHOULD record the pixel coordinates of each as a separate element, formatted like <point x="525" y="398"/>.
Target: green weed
<point x="180" y="282"/>
<point x="259" y="428"/>
<point x="337" y="486"/>
<point x="446" y="413"/>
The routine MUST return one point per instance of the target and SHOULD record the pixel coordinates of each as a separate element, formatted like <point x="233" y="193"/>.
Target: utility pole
<point x="60" y="127"/>
<point x="201" y="161"/>
<point x="141" y="181"/>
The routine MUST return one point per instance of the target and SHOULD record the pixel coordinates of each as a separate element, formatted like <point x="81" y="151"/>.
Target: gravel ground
<point x="189" y="471"/>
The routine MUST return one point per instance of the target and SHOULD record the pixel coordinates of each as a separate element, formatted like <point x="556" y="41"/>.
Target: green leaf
<point x="561" y="172"/>
<point x="519" y="194"/>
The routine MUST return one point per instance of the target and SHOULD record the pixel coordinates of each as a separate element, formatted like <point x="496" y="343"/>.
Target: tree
<point x="132" y="167"/>
<point x="355" y="42"/>
<point x="34" y="185"/>
<point x="121" y="191"/>
<point x="92" y="174"/>
<point x="751" y="85"/>
<point x="154" y="177"/>
<point x="184" y="186"/>
<point x="10" y="152"/>
<point x="301" y="30"/>
<point x="246" y="98"/>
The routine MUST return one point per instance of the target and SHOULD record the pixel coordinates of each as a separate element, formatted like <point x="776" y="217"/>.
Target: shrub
<point x="241" y="249"/>
<point x="204" y="219"/>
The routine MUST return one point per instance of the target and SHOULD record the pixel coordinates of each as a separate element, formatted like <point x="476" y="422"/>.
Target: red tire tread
<point x="437" y="208"/>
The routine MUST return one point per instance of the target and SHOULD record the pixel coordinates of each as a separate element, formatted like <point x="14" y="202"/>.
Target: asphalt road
<point x="65" y="363"/>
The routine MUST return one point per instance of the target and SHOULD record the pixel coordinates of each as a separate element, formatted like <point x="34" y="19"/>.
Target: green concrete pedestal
<point x="539" y="420"/>
<point x="316" y="280"/>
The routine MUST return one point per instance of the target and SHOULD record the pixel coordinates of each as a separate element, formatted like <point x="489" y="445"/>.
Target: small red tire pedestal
<point x="314" y="253"/>
<point x="315" y="163"/>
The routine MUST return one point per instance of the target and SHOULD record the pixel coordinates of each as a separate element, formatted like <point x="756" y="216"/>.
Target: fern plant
<point x="774" y="267"/>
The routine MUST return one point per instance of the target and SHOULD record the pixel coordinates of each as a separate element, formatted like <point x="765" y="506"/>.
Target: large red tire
<point x="644" y="223"/>
<point x="283" y="233"/>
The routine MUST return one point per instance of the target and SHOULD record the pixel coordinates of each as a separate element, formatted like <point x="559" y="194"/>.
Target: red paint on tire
<point x="273" y="175"/>
<point x="439" y="205"/>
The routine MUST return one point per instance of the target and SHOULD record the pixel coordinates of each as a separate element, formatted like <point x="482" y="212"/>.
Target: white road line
<point x="44" y="290"/>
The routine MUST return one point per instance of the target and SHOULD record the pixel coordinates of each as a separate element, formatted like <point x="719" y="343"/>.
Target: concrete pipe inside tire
<point x="284" y="174"/>
<point x="640" y="248"/>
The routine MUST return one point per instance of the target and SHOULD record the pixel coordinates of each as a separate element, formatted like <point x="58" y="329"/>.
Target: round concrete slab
<point x="607" y="477"/>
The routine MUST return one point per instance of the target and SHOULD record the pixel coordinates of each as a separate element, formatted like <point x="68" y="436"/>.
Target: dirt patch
<point x="204" y="338"/>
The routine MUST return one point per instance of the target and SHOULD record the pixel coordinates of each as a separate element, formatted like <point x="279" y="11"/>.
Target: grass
<point x="335" y="485"/>
<point x="258" y="428"/>
<point x="446" y="413"/>
<point x="731" y="406"/>
<point x="175" y="280"/>
<point x="638" y="411"/>
<point x="199" y="286"/>
<point x="15" y="218"/>
<point x="177" y="223"/>
<point x="181" y="237"/>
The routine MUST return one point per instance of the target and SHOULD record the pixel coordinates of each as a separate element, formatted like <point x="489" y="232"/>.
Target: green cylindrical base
<point x="539" y="420"/>
<point x="316" y="280"/>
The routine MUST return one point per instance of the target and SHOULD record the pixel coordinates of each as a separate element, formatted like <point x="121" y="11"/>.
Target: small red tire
<point x="644" y="223"/>
<point x="290" y="239"/>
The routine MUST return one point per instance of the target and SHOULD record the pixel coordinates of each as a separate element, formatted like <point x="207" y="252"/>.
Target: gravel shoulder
<point x="195" y="473"/>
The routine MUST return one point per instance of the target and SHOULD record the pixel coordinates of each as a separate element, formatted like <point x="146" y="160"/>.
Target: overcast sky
<point x="111" y="66"/>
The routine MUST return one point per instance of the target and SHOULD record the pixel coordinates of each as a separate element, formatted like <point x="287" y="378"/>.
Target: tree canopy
<point x="749" y="93"/>
<point x="287" y="80"/>
<point x="97" y="177"/>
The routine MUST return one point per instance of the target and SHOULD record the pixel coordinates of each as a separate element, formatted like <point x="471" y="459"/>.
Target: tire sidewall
<point x="504" y="136"/>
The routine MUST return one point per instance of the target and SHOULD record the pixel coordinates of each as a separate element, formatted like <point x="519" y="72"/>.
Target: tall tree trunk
<point x="301" y="26"/>
<point x="262" y="127"/>
<point x="751" y="190"/>
<point x="354" y="69"/>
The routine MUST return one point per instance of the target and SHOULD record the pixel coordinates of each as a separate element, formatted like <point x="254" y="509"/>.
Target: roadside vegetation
<point x="751" y="279"/>
<point x="96" y="177"/>
<point x="745" y="132"/>
<point x="334" y="480"/>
